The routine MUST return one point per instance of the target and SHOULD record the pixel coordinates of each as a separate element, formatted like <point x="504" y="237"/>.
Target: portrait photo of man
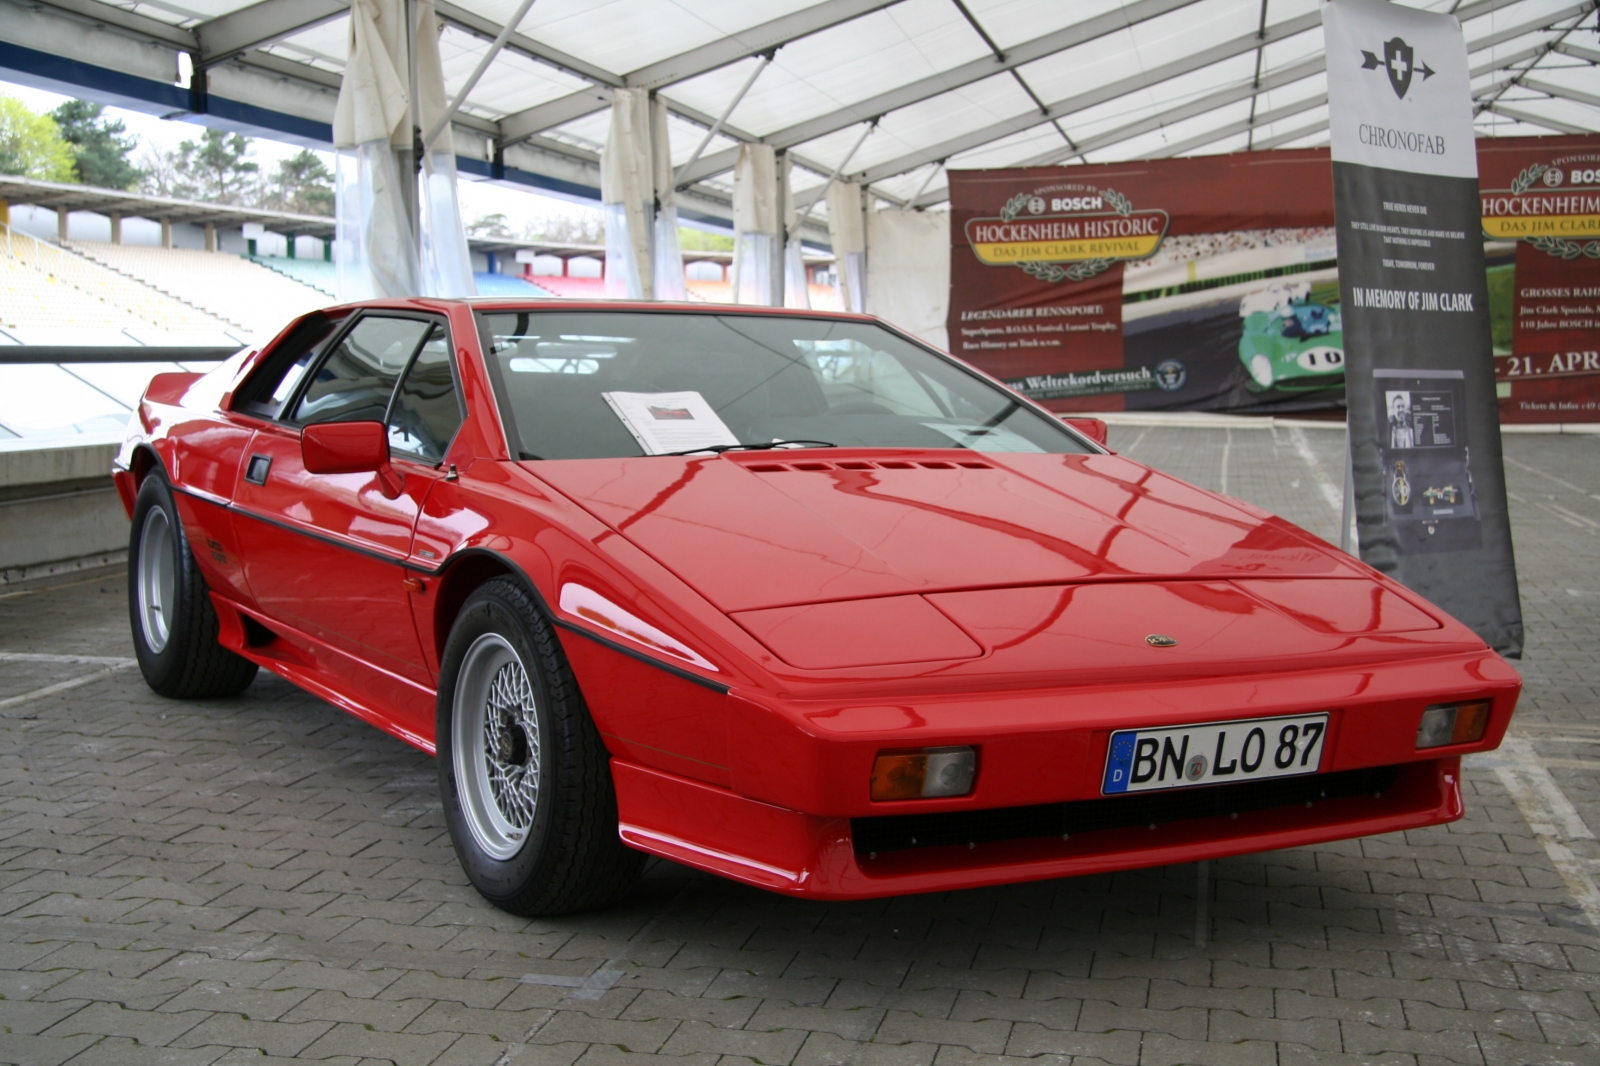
<point x="1402" y="433"/>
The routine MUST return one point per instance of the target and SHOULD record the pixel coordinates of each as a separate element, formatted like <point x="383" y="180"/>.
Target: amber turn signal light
<point x="1453" y="723"/>
<point x="924" y="773"/>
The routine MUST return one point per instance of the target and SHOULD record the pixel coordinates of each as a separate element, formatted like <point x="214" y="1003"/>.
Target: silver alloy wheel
<point x="495" y="740"/>
<point x="157" y="578"/>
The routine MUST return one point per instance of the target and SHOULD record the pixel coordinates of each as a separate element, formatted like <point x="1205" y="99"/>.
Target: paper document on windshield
<point x="665" y="422"/>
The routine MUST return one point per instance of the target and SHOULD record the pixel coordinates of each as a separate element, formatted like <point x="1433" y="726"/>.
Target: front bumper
<point x="818" y="857"/>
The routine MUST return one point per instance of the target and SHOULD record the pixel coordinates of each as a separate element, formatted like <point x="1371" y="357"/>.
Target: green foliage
<point x="495" y="225"/>
<point x="31" y="144"/>
<point x="218" y="169"/>
<point x="698" y="240"/>
<point x="100" y="152"/>
<point x="303" y="185"/>
<point x="1502" y="286"/>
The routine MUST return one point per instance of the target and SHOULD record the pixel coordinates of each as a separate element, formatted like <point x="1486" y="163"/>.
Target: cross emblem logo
<point x="1399" y="62"/>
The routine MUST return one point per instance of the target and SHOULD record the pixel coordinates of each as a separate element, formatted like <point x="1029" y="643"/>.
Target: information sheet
<point x="665" y="422"/>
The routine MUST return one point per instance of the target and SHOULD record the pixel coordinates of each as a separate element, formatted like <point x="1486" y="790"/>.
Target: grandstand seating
<point x="506" y="285"/>
<point x="49" y="292"/>
<point x="317" y="273"/>
<point x="255" y="299"/>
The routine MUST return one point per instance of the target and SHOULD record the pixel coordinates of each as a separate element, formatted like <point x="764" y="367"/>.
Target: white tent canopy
<point x="974" y="84"/>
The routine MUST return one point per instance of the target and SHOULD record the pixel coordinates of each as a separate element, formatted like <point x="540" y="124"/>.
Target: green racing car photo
<point x="1292" y="339"/>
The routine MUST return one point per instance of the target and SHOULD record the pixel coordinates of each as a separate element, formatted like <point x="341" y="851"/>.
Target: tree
<point x="698" y="240"/>
<point x="217" y="169"/>
<point x="494" y="225"/>
<point x="100" y="152"/>
<point x="303" y="185"/>
<point x="31" y="144"/>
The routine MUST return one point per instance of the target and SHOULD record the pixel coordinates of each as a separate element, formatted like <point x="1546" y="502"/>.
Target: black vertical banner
<point x="1419" y="368"/>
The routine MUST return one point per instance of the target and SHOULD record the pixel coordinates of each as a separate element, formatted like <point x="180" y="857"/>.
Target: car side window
<point x="355" y="382"/>
<point x="426" y="411"/>
<point x="272" y="384"/>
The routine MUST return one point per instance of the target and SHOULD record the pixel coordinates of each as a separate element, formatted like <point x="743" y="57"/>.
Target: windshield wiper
<point x="718" y="449"/>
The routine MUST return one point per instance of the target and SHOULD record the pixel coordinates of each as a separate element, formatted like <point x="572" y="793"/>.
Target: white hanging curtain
<point x="446" y="260"/>
<point x="795" y="293"/>
<point x="375" y="248"/>
<point x="627" y="196"/>
<point x="755" y="225"/>
<point x="668" y="265"/>
<point x="377" y="252"/>
<point x="847" y="231"/>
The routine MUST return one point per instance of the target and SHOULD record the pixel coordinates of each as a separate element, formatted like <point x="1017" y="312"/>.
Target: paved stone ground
<point x="265" y="878"/>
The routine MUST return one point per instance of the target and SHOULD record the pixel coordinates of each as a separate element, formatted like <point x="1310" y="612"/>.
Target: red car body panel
<point x="751" y="630"/>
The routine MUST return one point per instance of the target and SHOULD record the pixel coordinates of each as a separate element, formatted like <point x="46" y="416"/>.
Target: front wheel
<point x="523" y="774"/>
<point x="173" y="620"/>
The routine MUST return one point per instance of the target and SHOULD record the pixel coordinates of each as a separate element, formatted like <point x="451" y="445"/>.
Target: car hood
<point x="769" y="529"/>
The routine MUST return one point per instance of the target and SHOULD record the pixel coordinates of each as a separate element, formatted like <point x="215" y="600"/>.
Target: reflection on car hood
<point x="766" y="529"/>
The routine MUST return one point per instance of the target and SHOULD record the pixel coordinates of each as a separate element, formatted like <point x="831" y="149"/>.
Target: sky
<point x="477" y="198"/>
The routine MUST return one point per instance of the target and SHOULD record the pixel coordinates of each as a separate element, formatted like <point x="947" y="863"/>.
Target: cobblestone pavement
<point x="265" y="878"/>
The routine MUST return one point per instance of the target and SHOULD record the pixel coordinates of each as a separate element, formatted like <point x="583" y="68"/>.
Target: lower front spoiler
<point x="716" y="830"/>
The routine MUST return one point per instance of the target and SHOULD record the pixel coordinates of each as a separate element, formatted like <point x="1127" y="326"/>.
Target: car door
<point x="325" y="553"/>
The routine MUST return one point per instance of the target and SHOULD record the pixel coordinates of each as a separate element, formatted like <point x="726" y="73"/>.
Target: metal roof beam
<point x="1243" y="125"/>
<point x="708" y="57"/>
<point x="977" y="70"/>
<point x="1536" y="120"/>
<point x="1562" y="91"/>
<point x="261" y="24"/>
<point x="1094" y="97"/>
<point x="1292" y="135"/>
<point x="133" y="22"/>
<point x="1577" y="51"/>
<point x="1239" y="46"/>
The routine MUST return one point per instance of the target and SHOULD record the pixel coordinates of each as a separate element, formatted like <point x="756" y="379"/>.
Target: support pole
<point x="1202" y="900"/>
<point x="63" y="224"/>
<point x="410" y="155"/>
<point x="472" y="82"/>
<point x="116" y="228"/>
<point x="166" y="233"/>
<point x="211" y="235"/>
<point x="851" y="154"/>
<point x="1347" y="513"/>
<point x="716" y="127"/>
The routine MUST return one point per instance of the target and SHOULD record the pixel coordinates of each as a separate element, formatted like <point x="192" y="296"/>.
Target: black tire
<point x="562" y="852"/>
<point x="184" y="661"/>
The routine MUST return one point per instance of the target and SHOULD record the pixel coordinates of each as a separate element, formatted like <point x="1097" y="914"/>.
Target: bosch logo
<point x="1077" y="203"/>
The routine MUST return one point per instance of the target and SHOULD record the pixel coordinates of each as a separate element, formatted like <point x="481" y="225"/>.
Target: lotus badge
<point x="1158" y="640"/>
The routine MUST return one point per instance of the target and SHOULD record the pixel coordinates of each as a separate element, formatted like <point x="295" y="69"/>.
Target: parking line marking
<point x="42" y="657"/>
<point x="61" y="686"/>
<point x="1330" y="492"/>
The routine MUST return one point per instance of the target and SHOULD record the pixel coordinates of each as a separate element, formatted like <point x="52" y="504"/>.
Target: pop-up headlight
<point x="924" y="773"/>
<point x="1453" y="723"/>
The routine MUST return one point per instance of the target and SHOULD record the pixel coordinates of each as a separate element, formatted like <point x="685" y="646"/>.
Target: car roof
<point x="521" y="303"/>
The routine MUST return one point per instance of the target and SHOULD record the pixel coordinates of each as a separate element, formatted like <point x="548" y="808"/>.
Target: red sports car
<point x="789" y="597"/>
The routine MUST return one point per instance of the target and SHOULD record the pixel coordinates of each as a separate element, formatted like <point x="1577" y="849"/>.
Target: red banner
<point x="1211" y="283"/>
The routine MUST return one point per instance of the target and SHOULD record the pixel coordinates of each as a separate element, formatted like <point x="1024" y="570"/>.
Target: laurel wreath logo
<point x="1054" y="272"/>
<point x="1562" y="248"/>
<point x="1525" y="180"/>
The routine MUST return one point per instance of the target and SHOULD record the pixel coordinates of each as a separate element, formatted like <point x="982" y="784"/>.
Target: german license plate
<point x="1214" y="753"/>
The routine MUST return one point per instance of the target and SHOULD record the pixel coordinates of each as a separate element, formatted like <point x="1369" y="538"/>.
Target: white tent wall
<point x="908" y="271"/>
<point x="374" y="244"/>
<point x="795" y="293"/>
<point x="446" y="260"/>
<point x="377" y="250"/>
<point x="667" y="253"/>
<point x="755" y="226"/>
<point x="627" y="196"/>
<point x="847" y="232"/>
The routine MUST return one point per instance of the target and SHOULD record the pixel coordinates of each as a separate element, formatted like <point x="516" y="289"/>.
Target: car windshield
<point x="607" y="384"/>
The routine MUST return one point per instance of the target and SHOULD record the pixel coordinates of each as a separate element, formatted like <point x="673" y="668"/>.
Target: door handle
<point x="256" y="471"/>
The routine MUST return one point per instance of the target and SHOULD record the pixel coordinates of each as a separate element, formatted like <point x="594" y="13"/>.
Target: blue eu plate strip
<point x="1119" y="763"/>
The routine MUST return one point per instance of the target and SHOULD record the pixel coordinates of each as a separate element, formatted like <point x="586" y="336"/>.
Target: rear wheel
<point x="173" y="620"/>
<point x="523" y="774"/>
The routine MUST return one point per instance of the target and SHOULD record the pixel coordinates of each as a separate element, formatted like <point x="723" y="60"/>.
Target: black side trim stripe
<point x="322" y="538"/>
<point x="634" y="653"/>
